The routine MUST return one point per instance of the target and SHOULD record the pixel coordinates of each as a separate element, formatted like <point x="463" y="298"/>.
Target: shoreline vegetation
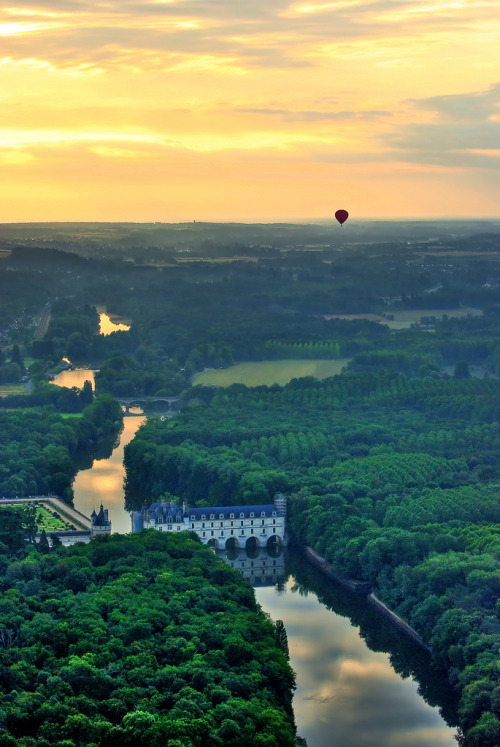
<point x="364" y="588"/>
<point x="390" y="466"/>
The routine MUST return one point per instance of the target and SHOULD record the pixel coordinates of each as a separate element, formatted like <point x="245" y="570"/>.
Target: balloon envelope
<point x="342" y="216"/>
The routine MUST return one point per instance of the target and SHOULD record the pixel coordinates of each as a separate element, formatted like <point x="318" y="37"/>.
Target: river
<point x="360" y="682"/>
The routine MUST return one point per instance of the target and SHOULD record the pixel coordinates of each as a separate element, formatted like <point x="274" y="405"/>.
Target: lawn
<point x="270" y="372"/>
<point x="48" y="518"/>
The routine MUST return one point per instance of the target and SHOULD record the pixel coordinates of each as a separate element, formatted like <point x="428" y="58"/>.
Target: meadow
<point x="270" y="372"/>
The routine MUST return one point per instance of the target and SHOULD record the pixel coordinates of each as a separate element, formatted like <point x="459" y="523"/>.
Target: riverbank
<point x="363" y="587"/>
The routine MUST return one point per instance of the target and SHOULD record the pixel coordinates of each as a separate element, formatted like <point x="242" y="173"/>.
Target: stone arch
<point x="232" y="543"/>
<point x="252" y="543"/>
<point x="274" y="543"/>
<point x="212" y="542"/>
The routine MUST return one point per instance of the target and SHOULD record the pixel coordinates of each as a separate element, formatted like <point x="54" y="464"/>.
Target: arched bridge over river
<point x="128" y="402"/>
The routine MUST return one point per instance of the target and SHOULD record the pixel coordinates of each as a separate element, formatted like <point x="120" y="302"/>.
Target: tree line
<point x="394" y="480"/>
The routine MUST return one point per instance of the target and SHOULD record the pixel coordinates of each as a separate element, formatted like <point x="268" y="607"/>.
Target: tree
<point x="461" y="370"/>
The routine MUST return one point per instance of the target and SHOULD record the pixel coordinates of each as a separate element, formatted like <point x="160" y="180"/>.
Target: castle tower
<point x="100" y="523"/>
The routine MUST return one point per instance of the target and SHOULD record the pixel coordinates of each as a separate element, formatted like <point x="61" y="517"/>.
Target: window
<point x="222" y="523"/>
<point x="221" y="516"/>
<point x="192" y="525"/>
<point x="169" y="527"/>
<point x="204" y="533"/>
<point x="212" y="516"/>
<point x="211" y="523"/>
<point x="274" y="521"/>
<point x="212" y="534"/>
<point x="231" y="516"/>
<point x="262" y="513"/>
<point x="242" y="516"/>
<point x="262" y="522"/>
<point x="251" y="523"/>
<point x="232" y="532"/>
<point x="222" y="533"/>
<point x="252" y="514"/>
<point x="274" y="513"/>
<point x="232" y="523"/>
<point x="192" y="518"/>
<point x="203" y="516"/>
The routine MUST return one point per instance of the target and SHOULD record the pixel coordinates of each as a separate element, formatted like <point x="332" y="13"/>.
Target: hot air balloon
<point x="342" y="216"/>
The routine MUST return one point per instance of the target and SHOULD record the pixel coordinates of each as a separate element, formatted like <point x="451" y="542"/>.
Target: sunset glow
<point x="178" y="109"/>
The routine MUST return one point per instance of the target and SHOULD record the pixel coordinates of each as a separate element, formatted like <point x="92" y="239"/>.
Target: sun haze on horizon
<point x="169" y="110"/>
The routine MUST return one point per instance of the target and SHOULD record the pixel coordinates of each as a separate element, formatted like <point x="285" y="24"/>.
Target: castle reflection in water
<point x="260" y="567"/>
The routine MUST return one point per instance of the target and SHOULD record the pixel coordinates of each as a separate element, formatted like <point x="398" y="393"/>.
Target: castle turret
<point x="100" y="523"/>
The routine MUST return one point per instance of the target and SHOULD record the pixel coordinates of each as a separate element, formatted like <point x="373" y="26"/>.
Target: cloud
<point x="464" y="131"/>
<point x="289" y="115"/>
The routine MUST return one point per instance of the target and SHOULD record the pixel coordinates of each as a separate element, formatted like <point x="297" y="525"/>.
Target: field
<point x="405" y="318"/>
<point x="270" y="372"/>
<point x="6" y="389"/>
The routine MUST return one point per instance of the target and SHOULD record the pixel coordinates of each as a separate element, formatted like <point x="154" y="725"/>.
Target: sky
<point x="224" y="110"/>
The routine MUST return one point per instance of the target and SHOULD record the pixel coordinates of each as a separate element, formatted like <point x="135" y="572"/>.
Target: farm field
<point x="270" y="372"/>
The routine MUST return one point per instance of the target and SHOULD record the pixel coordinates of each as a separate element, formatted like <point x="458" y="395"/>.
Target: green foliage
<point x="40" y="450"/>
<point x="136" y="652"/>
<point x="394" y="480"/>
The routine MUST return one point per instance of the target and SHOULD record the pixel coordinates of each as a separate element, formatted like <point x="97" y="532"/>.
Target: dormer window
<point x="274" y="513"/>
<point x="221" y="516"/>
<point x="203" y="516"/>
<point x="242" y="516"/>
<point x="212" y="516"/>
<point x="252" y="513"/>
<point x="262" y="513"/>
<point x="231" y="516"/>
<point x="193" y="518"/>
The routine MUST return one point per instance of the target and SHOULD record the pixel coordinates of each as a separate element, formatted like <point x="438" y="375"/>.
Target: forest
<point x="390" y="468"/>
<point x="41" y="451"/>
<point x="393" y="480"/>
<point x="137" y="640"/>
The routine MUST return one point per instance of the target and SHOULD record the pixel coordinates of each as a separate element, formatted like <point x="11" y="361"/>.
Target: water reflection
<point x="360" y="682"/>
<point x="107" y="326"/>
<point x="260" y="567"/>
<point x="348" y="694"/>
<point x="104" y="483"/>
<point x="76" y="377"/>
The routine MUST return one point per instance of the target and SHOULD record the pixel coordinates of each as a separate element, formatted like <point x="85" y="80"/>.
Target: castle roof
<point x="100" y="519"/>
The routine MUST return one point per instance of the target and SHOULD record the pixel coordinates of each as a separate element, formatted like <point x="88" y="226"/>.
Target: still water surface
<point x="349" y="693"/>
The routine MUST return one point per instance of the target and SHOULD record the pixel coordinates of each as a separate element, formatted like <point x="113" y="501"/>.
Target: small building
<point x="219" y="526"/>
<point x="99" y="523"/>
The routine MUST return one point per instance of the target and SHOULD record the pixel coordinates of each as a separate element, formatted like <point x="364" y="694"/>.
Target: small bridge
<point x="128" y="402"/>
